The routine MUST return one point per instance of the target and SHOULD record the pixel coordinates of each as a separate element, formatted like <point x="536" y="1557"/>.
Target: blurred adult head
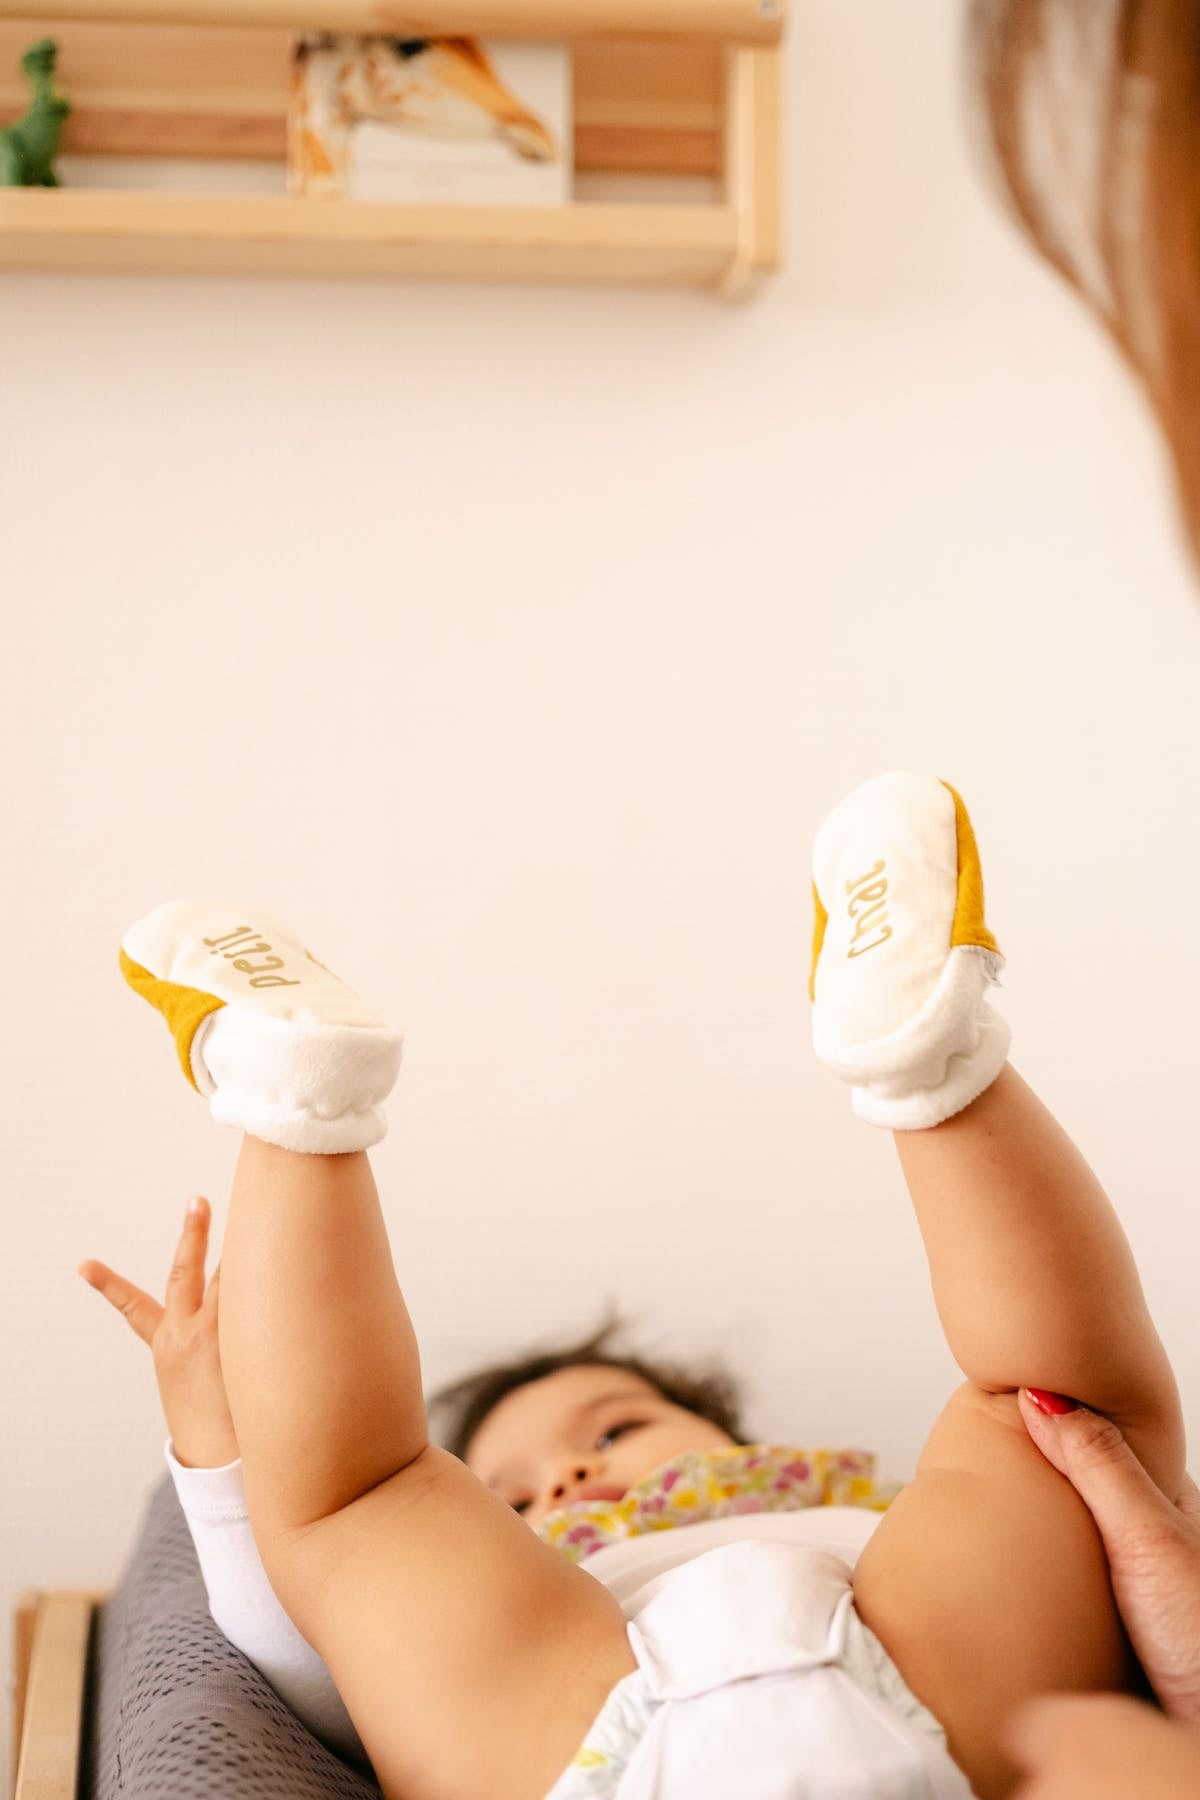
<point x="1090" y="111"/>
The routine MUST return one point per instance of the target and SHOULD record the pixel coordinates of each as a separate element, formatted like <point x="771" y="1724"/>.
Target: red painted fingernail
<point x="1051" y="1403"/>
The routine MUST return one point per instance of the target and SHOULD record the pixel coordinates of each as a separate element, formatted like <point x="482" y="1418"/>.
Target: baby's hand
<point x="183" y="1337"/>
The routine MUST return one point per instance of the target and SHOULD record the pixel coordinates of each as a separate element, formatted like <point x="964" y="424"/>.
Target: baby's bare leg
<point x="469" y="1654"/>
<point x="318" y="1351"/>
<point x="986" y="1581"/>
<point x="987" y="1584"/>
<point x="1033" y="1279"/>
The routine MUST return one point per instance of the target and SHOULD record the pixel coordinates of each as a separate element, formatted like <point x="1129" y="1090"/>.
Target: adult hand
<point x="1152" y="1544"/>
<point x="1093" y="1747"/>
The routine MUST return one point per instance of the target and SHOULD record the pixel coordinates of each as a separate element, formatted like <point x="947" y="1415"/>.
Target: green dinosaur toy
<point x="29" y="145"/>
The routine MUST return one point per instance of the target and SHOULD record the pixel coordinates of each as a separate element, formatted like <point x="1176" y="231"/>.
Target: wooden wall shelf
<point x="702" y="101"/>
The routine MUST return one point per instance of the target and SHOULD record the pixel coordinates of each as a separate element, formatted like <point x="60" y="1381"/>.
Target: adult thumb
<point x="1096" y="1460"/>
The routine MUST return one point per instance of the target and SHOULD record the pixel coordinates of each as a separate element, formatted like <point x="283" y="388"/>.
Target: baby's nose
<point x="560" y="1487"/>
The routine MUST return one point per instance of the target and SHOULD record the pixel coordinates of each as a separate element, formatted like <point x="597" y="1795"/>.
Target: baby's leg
<point x="1033" y="1278"/>
<point x="469" y="1654"/>
<point x="986" y="1580"/>
<point x="462" y="1645"/>
<point x="317" y="1348"/>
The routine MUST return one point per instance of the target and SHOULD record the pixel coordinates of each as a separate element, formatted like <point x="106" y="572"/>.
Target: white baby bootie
<point x="281" y="1047"/>
<point x="902" y="958"/>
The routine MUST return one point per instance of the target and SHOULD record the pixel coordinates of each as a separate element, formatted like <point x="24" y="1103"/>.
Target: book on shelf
<point x="452" y="119"/>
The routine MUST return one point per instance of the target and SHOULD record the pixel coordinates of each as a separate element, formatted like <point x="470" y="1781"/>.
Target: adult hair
<point x="1091" y="112"/>
<point x="463" y="1405"/>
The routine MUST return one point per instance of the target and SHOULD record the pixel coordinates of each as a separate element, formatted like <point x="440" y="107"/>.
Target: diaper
<point x="756" y="1680"/>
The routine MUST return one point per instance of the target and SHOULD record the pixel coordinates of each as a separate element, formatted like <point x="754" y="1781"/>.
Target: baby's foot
<point x="902" y="958"/>
<point x="281" y="1047"/>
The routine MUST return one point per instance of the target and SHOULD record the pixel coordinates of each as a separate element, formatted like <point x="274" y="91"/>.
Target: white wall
<point x="514" y="643"/>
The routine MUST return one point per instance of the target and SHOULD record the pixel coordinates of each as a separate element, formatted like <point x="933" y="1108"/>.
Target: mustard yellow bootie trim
<point x="185" y="1009"/>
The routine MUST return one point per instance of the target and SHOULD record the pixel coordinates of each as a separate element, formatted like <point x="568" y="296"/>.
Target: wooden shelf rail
<point x="694" y="245"/>
<point x="729" y="21"/>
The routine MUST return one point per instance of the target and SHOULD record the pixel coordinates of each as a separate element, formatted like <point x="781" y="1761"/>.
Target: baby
<point x="747" y="1656"/>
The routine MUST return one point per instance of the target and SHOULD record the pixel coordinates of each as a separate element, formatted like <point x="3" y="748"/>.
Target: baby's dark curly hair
<point x="464" y="1405"/>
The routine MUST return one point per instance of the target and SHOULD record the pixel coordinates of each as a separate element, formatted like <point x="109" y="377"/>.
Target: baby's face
<point x="580" y="1434"/>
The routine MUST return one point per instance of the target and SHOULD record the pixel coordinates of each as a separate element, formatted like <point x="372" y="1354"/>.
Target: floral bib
<point x="719" y="1484"/>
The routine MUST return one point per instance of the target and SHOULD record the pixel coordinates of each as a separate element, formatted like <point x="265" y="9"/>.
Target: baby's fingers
<point x="142" y="1314"/>
<point x="185" y="1284"/>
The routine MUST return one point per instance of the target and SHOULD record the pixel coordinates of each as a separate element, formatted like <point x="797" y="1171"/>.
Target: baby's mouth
<point x="596" y="1491"/>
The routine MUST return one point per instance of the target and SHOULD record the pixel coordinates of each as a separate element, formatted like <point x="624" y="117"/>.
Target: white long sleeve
<point x="244" y="1605"/>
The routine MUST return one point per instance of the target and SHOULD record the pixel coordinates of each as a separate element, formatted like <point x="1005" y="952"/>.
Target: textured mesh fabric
<point x="174" y="1712"/>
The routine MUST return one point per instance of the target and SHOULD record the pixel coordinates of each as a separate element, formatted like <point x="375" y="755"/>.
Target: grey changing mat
<point x="174" y="1712"/>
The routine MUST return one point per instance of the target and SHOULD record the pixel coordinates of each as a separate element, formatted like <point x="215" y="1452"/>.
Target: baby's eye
<point x="615" y="1431"/>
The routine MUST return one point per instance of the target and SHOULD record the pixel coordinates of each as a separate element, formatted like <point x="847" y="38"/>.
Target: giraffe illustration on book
<point x="442" y="88"/>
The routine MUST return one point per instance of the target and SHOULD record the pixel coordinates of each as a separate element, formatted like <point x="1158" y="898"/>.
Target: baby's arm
<point x="202" y="1456"/>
